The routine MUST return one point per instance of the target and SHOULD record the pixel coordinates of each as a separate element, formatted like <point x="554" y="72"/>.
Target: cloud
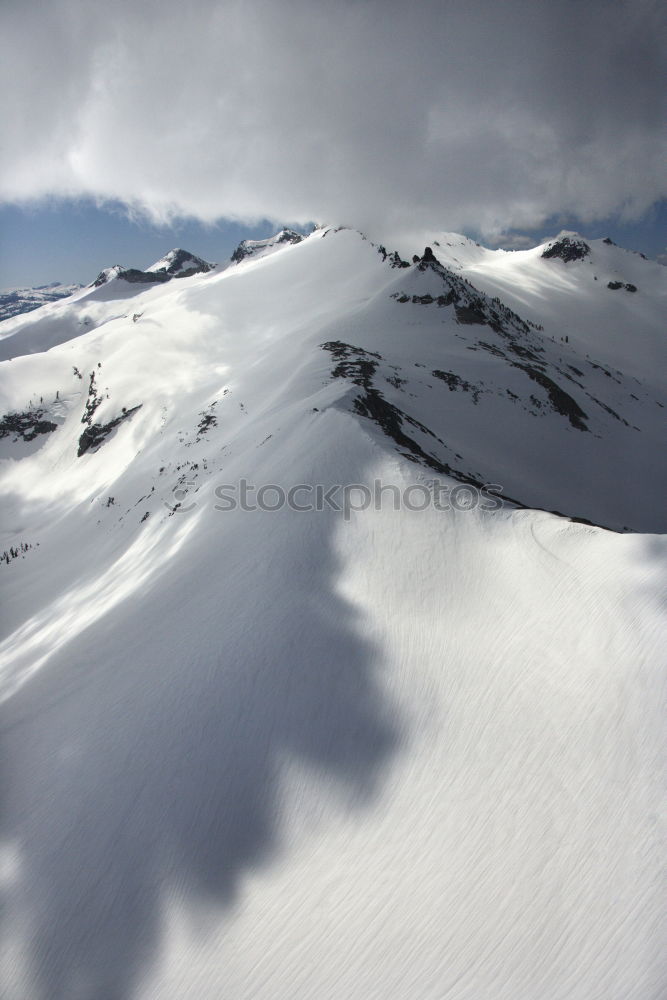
<point x="512" y="241"/>
<point x="384" y="115"/>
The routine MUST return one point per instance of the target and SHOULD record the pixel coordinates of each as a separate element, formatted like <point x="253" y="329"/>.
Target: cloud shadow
<point x="145" y="763"/>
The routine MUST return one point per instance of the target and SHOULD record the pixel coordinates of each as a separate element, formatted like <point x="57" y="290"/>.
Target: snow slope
<point x="339" y="753"/>
<point x="620" y="328"/>
<point x="94" y="304"/>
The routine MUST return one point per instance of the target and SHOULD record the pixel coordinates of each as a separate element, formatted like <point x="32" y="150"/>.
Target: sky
<point x="71" y="241"/>
<point x="133" y="128"/>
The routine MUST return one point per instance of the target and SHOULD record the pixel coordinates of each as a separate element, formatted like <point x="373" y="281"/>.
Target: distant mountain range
<point x="22" y="300"/>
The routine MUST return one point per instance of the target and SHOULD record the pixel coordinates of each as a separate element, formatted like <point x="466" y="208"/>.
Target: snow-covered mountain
<point x="180" y="264"/>
<point x="332" y="658"/>
<point x="177" y="263"/>
<point x="23" y="300"/>
<point x="262" y="248"/>
<point x="95" y="303"/>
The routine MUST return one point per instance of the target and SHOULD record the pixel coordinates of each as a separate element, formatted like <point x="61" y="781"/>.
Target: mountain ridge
<point x="514" y="375"/>
<point x="291" y="693"/>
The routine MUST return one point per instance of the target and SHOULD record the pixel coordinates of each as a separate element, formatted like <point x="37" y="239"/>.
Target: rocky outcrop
<point x="130" y="274"/>
<point x="95" y="434"/>
<point x="567" y="249"/>
<point x="25" y="426"/>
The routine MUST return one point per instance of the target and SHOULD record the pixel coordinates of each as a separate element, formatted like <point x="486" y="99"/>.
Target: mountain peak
<point x="261" y="248"/>
<point x="129" y="274"/>
<point x="180" y="263"/>
<point x="108" y="274"/>
<point x="177" y="263"/>
<point x="567" y="247"/>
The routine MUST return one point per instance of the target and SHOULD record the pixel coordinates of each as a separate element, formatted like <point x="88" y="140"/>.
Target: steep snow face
<point x="23" y="300"/>
<point x="361" y="752"/>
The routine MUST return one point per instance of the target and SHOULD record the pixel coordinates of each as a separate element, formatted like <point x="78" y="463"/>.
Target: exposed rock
<point x="134" y="276"/>
<point x="131" y="274"/>
<point x="470" y="315"/>
<point x="354" y="363"/>
<point x="180" y="264"/>
<point x="567" y="250"/>
<point x="96" y="434"/>
<point x="455" y="382"/>
<point x="560" y="401"/>
<point x="26" y="426"/>
<point x="396" y="260"/>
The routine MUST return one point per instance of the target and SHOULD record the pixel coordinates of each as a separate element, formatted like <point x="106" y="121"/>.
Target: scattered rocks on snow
<point x="560" y="401"/>
<point x="14" y="551"/>
<point x="454" y="382"/>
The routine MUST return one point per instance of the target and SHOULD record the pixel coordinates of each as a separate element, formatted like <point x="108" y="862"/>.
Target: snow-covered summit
<point x="181" y="264"/>
<point x="175" y="264"/>
<point x="262" y="248"/>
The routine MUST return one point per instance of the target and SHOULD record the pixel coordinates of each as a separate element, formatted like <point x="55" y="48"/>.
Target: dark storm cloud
<point x="385" y="115"/>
